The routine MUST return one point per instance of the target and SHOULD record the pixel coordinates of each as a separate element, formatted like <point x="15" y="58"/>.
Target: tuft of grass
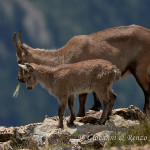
<point x="139" y="135"/>
<point x="76" y="134"/>
<point x="15" y="94"/>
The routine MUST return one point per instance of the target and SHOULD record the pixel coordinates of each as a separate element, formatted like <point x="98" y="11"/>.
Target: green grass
<point x="139" y="135"/>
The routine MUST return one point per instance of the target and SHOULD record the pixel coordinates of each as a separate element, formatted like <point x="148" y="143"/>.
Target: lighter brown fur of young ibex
<point x="66" y="80"/>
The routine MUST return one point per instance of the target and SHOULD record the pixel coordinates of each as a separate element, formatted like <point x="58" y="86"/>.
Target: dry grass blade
<point x="15" y="94"/>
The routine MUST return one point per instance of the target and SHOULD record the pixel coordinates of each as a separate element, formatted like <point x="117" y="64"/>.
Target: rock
<point x="5" y="145"/>
<point x="96" y="141"/>
<point x="47" y="133"/>
<point x="6" y="133"/>
<point x="40" y="132"/>
<point x="74" y="141"/>
<point x="130" y="113"/>
<point x="24" y="149"/>
<point x="145" y="147"/>
<point x="90" y="144"/>
<point x="120" y="122"/>
<point x="103" y="136"/>
<point x="89" y="119"/>
<point x="23" y="136"/>
<point x="58" y="137"/>
<point x="86" y="133"/>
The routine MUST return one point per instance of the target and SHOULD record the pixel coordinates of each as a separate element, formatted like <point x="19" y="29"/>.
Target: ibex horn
<point x="19" y="41"/>
<point x="15" y="44"/>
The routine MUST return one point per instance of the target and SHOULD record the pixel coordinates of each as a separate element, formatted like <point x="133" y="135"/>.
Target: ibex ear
<point x="22" y="66"/>
<point x="30" y="67"/>
<point x="24" y="49"/>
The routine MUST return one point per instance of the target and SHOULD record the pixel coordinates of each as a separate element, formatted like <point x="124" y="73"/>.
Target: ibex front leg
<point x="63" y="102"/>
<point x="71" y="107"/>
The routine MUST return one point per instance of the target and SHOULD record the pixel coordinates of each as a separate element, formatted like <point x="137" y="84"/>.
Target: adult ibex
<point x="127" y="47"/>
<point x="66" y="80"/>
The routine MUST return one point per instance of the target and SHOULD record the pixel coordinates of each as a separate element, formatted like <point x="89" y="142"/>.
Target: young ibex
<point x="127" y="47"/>
<point x="26" y="54"/>
<point x="66" y="80"/>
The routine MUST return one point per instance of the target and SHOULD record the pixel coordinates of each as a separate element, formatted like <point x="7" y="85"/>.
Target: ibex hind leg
<point x="143" y="79"/>
<point x="82" y="100"/>
<point x="97" y="105"/>
<point x="63" y="103"/>
<point x="146" y="108"/>
<point x="71" y="107"/>
<point x="104" y="113"/>
<point x="104" y="95"/>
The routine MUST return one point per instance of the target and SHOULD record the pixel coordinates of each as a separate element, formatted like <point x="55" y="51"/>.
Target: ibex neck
<point x="48" y="57"/>
<point x="45" y="76"/>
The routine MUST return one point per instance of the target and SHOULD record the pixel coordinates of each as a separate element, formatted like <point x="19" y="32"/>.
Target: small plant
<point x="15" y="94"/>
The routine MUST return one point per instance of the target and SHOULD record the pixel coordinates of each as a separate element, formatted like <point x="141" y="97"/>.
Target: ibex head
<point x="28" y="75"/>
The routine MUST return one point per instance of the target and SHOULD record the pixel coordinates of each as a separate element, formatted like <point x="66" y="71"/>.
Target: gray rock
<point x="5" y="145"/>
<point x="85" y="133"/>
<point x="6" y="133"/>
<point x="130" y="113"/>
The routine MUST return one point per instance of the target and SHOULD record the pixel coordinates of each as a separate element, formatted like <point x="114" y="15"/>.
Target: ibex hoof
<point x="60" y="126"/>
<point x="80" y="114"/>
<point x="95" y="108"/>
<point x="70" y="124"/>
<point x="101" y="122"/>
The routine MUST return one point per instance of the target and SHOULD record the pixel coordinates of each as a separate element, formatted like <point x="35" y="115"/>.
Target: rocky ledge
<point x="85" y="134"/>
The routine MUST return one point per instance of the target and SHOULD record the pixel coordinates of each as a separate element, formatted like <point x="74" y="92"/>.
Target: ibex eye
<point x="29" y="77"/>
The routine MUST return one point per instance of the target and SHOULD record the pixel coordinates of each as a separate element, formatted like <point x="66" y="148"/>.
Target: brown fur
<point x="66" y="80"/>
<point x="126" y="47"/>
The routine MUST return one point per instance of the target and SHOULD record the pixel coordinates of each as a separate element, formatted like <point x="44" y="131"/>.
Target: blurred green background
<point x="50" y="24"/>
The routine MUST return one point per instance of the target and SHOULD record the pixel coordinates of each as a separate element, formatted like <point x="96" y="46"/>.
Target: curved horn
<point x="22" y="46"/>
<point x="16" y="44"/>
<point x="19" y="41"/>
